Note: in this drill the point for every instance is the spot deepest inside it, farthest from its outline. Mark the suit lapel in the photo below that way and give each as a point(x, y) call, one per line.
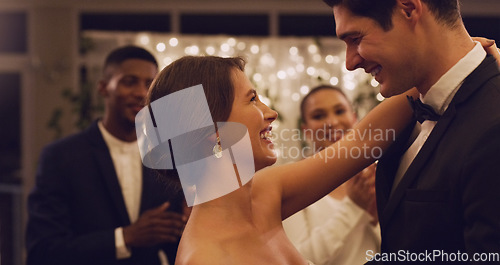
point(475, 80)
point(147, 185)
point(386, 169)
point(418, 163)
point(105, 163)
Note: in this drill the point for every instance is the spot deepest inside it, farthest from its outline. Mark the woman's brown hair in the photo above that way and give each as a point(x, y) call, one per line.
point(215, 74)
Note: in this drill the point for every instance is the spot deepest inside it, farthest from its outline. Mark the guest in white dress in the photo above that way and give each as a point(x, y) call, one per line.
point(341, 227)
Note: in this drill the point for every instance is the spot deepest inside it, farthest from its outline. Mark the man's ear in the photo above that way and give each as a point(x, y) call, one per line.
point(411, 9)
point(101, 88)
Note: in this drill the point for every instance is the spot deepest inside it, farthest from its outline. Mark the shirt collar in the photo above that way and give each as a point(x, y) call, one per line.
point(115, 143)
point(441, 93)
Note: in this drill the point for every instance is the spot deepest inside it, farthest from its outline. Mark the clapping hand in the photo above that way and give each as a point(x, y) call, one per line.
point(155, 226)
point(361, 190)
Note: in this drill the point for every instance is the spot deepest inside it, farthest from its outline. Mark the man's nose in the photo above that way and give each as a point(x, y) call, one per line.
point(353, 59)
point(142, 90)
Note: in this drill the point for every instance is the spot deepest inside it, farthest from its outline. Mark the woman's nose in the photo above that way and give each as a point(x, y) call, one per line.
point(269, 114)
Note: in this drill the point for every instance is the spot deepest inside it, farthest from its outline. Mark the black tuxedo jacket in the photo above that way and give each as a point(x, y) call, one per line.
point(449, 198)
point(77, 203)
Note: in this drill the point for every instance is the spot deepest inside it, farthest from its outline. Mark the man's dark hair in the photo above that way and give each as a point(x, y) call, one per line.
point(445, 11)
point(119, 55)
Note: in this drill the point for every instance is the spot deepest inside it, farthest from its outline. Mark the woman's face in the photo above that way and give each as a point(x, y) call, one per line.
point(247, 109)
point(327, 116)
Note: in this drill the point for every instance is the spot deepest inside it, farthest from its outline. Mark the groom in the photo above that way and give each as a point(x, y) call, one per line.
point(438, 187)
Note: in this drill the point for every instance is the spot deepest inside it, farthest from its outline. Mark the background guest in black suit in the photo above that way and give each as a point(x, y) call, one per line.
point(438, 188)
point(93, 201)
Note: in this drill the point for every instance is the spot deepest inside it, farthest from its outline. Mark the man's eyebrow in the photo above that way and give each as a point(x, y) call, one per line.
point(345, 35)
point(130, 76)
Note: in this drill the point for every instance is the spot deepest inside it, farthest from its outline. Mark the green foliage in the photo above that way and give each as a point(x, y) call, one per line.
point(82, 108)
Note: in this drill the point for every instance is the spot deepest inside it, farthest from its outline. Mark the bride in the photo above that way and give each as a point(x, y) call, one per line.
point(245, 225)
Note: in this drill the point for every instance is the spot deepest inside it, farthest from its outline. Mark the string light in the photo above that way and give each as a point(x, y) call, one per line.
point(267, 60)
point(254, 49)
point(336, 60)
point(334, 81)
point(311, 70)
point(173, 42)
point(281, 74)
point(192, 50)
point(257, 77)
point(144, 39)
point(241, 46)
point(304, 90)
point(316, 65)
point(329, 59)
point(349, 85)
point(161, 47)
point(312, 48)
point(225, 47)
point(231, 42)
point(210, 50)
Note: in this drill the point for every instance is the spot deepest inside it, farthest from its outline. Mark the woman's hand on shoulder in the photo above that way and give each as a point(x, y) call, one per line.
point(490, 47)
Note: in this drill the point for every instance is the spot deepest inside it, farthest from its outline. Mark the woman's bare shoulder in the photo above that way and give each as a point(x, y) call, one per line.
point(206, 255)
point(267, 194)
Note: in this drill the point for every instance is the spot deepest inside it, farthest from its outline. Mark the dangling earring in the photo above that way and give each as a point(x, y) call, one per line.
point(218, 147)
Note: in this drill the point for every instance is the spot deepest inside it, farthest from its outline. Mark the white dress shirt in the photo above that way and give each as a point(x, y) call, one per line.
point(439, 97)
point(127, 162)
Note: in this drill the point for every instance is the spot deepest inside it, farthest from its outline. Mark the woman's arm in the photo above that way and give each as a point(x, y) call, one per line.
point(306, 181)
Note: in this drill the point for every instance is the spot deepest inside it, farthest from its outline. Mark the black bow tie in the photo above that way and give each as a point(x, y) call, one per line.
point(422, 111)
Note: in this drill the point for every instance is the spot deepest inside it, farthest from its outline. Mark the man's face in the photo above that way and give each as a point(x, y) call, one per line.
point(389, 56)
point(126, 88)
